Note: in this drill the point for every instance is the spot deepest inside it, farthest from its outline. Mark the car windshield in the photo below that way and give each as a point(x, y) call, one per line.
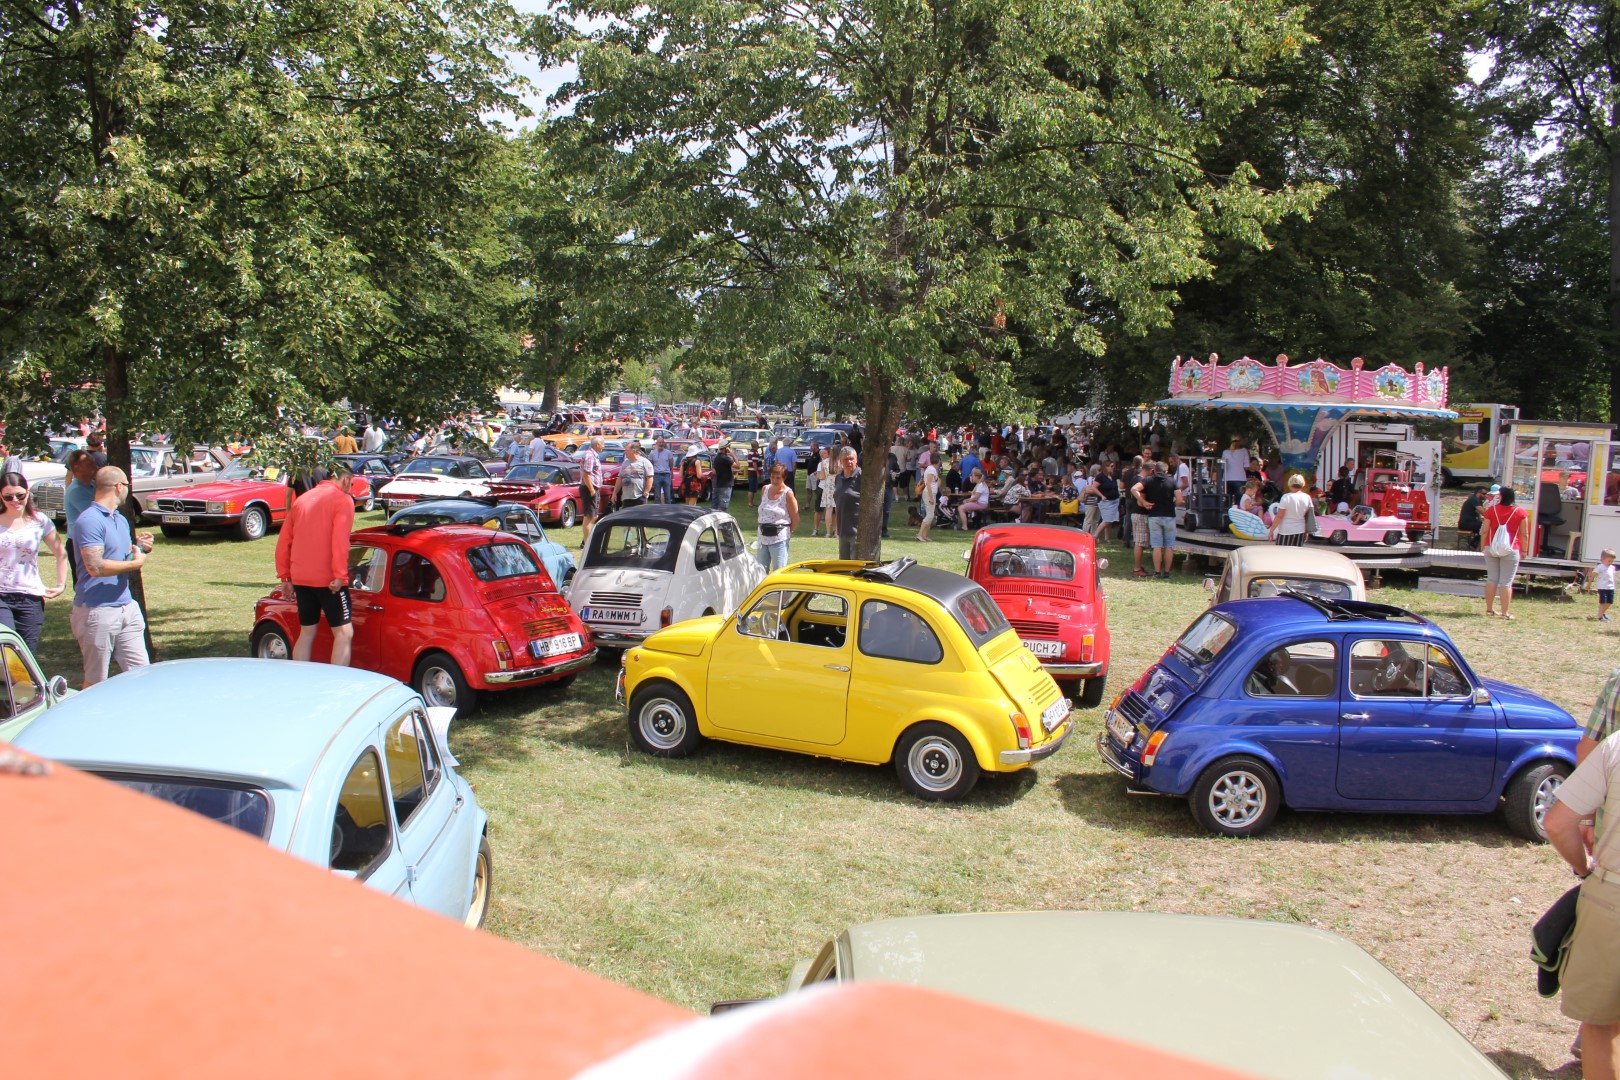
point(1324, 588)
point(472, 514)
point(1205, 638)
point(980, 617)
point(633, 545)
point(426, 466)
point(1050, 564)
point(244, 808)
point(493, 562)
point(579, 429)
point(144, 463)
point(538, 474)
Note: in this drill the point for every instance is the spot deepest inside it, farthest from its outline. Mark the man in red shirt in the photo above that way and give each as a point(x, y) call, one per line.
point(312, 561)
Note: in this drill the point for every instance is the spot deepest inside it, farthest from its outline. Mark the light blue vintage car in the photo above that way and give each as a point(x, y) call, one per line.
point(25, 693)
point(343, 768)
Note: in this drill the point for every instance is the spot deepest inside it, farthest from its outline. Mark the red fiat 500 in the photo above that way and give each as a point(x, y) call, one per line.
point(449, 609)
point(1045, 579)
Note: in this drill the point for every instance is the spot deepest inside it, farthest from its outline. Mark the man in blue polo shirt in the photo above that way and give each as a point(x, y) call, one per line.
point(106, 619)
point(788, 459)
point(663, 463)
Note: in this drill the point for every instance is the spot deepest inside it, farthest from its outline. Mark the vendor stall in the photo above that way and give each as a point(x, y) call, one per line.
point(1564, 475)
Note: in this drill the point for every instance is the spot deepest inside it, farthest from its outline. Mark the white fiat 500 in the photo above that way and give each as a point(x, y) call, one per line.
point(650, 566)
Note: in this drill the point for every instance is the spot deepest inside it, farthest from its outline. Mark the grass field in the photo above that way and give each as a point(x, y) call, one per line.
point(706, 878)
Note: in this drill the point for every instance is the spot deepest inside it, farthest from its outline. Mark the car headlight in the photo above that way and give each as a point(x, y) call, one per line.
point(216, 508)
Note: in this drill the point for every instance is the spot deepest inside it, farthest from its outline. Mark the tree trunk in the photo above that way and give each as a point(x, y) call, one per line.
point(115, 379)
point(1614, 272)
point(885, 408)
point(548, 399)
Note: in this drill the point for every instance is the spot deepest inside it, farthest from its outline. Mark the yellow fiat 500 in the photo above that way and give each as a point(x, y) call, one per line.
point(855, 661)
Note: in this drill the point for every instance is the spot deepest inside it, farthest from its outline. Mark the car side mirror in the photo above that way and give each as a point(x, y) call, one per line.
point(966, 555)
point(58, 687)
point(1209, 585)
point(1482, 696)
point(1102, 564)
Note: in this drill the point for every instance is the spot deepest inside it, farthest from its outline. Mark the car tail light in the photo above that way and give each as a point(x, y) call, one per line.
point(1151, 750)
point(1021, 725)
point(666, 616)
point(1088, 642)
point(503, 653)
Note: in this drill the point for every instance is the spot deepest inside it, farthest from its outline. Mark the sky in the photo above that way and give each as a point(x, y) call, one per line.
point(545, 80)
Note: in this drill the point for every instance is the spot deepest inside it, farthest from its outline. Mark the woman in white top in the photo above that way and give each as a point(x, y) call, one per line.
point(778, 517)
point(824, 485)
point(812, 484)
point(978, 502)
point(928, 490)
point(1235, 467)
point(1288, 527)
point(22, 529)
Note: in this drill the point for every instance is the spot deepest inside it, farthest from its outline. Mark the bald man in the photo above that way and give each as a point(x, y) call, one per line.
point(106, 619)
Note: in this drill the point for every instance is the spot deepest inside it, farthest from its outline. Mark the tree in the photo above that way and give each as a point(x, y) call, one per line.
point(222, 216)
point(905, 178)
point(1371, 109)
point(1556, 80)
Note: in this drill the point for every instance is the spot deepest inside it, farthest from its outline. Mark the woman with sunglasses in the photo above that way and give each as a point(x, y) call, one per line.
point(22, 529)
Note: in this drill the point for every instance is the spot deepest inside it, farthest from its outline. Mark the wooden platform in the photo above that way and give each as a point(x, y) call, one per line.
point(1408, 556)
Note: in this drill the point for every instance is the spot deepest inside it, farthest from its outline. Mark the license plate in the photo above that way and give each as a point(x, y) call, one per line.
point(554, 646)
point(177, 519)
point(1055, 714)
point(1123, 731)
point(1045, 648)
point(616, 616)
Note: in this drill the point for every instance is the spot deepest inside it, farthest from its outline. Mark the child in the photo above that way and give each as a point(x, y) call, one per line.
point(1602, 577)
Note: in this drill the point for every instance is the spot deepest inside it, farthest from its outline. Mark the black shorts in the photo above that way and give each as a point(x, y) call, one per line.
point(1605, 596)
point(587, 503)
point(317, 600)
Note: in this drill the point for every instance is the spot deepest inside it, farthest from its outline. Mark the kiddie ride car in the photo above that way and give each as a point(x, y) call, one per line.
point(1333, 705)
point(1391, 492)
point(1045, 580)
point(1362, 525)
point(874, 664)
point(451, 610)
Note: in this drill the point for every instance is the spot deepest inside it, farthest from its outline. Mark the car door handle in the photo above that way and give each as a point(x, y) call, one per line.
point(1355, 716)
point(369, 607)
point(836, 667)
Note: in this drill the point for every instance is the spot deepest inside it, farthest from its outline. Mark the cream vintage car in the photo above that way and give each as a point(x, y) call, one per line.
point(152, 469)
point(1266, 569)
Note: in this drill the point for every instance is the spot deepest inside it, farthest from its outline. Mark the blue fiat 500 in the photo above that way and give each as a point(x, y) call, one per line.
point(1333, 705)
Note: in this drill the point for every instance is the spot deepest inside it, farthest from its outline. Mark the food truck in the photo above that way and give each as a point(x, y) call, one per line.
point(1475, 448)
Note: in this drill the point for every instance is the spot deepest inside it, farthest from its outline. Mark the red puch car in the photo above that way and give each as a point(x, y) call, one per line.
point(1046, 580)
point(449, 609)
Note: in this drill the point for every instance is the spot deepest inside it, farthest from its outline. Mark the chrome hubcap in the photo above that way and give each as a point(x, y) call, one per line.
point(1545, 793)
point(935, 763)
point(273, 647)
point(663, 724)
point(1237, 799)
point(438, 687)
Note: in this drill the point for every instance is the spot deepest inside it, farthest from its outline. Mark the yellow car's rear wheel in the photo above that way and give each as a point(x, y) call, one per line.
point(935, 762)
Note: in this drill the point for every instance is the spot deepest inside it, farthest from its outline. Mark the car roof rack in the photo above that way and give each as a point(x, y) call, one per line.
point(1339, 610)
point(889, 571)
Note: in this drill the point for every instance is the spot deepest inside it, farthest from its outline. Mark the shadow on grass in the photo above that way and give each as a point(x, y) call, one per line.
point(1523, 1067)
point(1101, 800)
point(584, 717)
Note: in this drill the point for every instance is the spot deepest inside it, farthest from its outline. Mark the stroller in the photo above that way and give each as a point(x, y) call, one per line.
point(944, 512)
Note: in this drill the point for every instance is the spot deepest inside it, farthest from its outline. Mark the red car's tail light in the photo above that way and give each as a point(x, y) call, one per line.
point(1151, 750)
point(665, 616)
point(503, 653)
point(1088, 643)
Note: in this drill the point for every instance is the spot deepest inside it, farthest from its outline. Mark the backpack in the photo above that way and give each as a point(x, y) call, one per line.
point(1501, 545)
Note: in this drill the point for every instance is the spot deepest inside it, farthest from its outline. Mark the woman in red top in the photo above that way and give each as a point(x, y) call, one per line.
point(1500, 570)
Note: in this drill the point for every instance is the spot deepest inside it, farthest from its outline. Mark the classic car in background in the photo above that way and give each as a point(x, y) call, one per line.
point(1261, 570)
point(152, 469)
point(1047, 581)
point(434, 478)
point(239, 499)
point(358, 777)
point(488, 513)
point(555, 494)
point(470, 446)
point(451, 610)
point(28, 692)
point(649, 567)
point(376, 470)
point(896, 663)
point(1333, 705)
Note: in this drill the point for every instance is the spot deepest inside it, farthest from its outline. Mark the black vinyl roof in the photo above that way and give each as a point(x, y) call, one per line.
point(660, 514)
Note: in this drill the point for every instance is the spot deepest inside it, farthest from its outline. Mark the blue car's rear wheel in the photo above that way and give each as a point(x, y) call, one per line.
point(1238, 796)
point(483, 884)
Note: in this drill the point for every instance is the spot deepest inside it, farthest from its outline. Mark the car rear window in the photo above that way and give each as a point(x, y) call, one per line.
point(494, 562)
point(1322, 587)
point(1048, 564)
point(980, 617)
point(244, 808)
point(429, 467)
point(1205, 638)
point(633, 546)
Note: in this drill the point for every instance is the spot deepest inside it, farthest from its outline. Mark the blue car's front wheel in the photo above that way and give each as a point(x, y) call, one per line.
point(1237, 796)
